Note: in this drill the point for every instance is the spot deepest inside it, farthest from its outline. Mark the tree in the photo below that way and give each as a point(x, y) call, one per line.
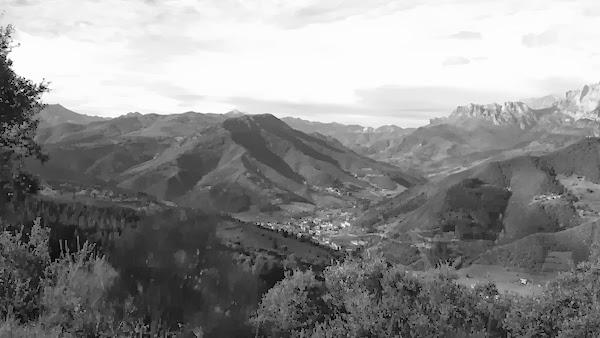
point(568, 307)
point(292, 305)
point(20, 101)
point(371, 298)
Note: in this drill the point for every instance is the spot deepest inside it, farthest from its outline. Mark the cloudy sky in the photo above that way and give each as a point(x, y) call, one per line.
point(355, 61)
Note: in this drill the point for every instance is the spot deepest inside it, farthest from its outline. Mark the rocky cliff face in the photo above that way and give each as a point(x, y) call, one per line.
point(508, 113)
point(577, 106)
point(582, 103)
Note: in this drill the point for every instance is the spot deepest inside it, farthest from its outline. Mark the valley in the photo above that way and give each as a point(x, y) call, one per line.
point(292, 169)
point(501, 194)
point(498, 175)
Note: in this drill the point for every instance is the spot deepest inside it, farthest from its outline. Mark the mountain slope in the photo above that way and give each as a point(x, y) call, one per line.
point(474, 133)
point(364, 140)
point(494, 203)
point(55, 114)
point(218, 163)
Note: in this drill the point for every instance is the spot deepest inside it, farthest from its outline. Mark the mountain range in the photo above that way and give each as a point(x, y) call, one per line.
point(228, 163)
point(475, 133)
point(55, 114)
point(515, 184)
point(500, 206)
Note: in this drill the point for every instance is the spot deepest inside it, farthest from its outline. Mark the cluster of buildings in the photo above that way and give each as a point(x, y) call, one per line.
point(319, 230)
point(546, 197)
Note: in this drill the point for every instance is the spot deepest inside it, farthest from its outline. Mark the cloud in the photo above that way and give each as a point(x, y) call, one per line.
point(158, 47)
point(326, 112)
point(456, 61)
point(591, 11)
point(183, 96)
point(545, 38)
point(438, 99)
point(305, 56)
point(331, 10)
point(301, 13)
point(558, 84)
point(21, 3)
point(466, 35)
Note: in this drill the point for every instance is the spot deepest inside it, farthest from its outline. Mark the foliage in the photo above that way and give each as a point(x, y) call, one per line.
point(173, 271)
point(372, 299)
point(568, 307)
point(66, 297)
point(75, 296)
point(22, 269)
point(293, 305)
point(164, 273)
point(19, 103)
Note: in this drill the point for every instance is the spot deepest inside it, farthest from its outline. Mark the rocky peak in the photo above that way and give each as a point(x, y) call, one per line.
point(508, 113)
point(577, 106)
point(582, 103)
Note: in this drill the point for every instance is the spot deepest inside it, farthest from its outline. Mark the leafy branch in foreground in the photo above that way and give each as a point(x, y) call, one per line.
point(20, 101)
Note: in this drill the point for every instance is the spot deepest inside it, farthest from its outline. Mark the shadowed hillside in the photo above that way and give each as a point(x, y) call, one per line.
point(494, 204)
point(214, 162)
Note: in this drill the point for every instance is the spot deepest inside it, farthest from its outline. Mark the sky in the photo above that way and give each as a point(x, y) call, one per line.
point(369, 62)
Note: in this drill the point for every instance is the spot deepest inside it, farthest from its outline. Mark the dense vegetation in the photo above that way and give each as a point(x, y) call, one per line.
point(370, 298)
point(19, 104)
point(170, 276)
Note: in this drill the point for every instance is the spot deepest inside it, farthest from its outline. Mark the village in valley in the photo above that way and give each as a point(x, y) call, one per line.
point(326, 228)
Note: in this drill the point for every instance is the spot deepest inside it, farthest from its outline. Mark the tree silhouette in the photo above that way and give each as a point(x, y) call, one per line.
point(19, 104)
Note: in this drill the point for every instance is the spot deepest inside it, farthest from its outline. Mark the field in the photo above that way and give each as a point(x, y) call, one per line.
point(507, 280)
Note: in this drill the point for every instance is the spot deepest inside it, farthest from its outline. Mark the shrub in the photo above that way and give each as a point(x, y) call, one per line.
point(370, 298)
point(568, 307)
point(41, 297)
point(292, 305)
point(22, 268)
point(75, 295)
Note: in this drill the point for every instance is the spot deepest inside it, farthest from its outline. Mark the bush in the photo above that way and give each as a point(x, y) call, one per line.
point(23, 261)
point(75, 295)
point(372, 299)
point(568, 307)
point(41, 297)
point(292, 305)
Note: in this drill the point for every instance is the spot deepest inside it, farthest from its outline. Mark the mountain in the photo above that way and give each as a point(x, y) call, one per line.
point(230, 162)
point(55, 114)
point(542, 102)
point(507, 114)
point(476, 133)
point(496, 206)
point(364, 140)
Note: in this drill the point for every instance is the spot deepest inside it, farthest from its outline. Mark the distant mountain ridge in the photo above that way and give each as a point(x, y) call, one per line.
point(476, 133)
point(508, 113)
point(471, 134)
point(368, 141)
point(580, 104)
point(55, 114)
